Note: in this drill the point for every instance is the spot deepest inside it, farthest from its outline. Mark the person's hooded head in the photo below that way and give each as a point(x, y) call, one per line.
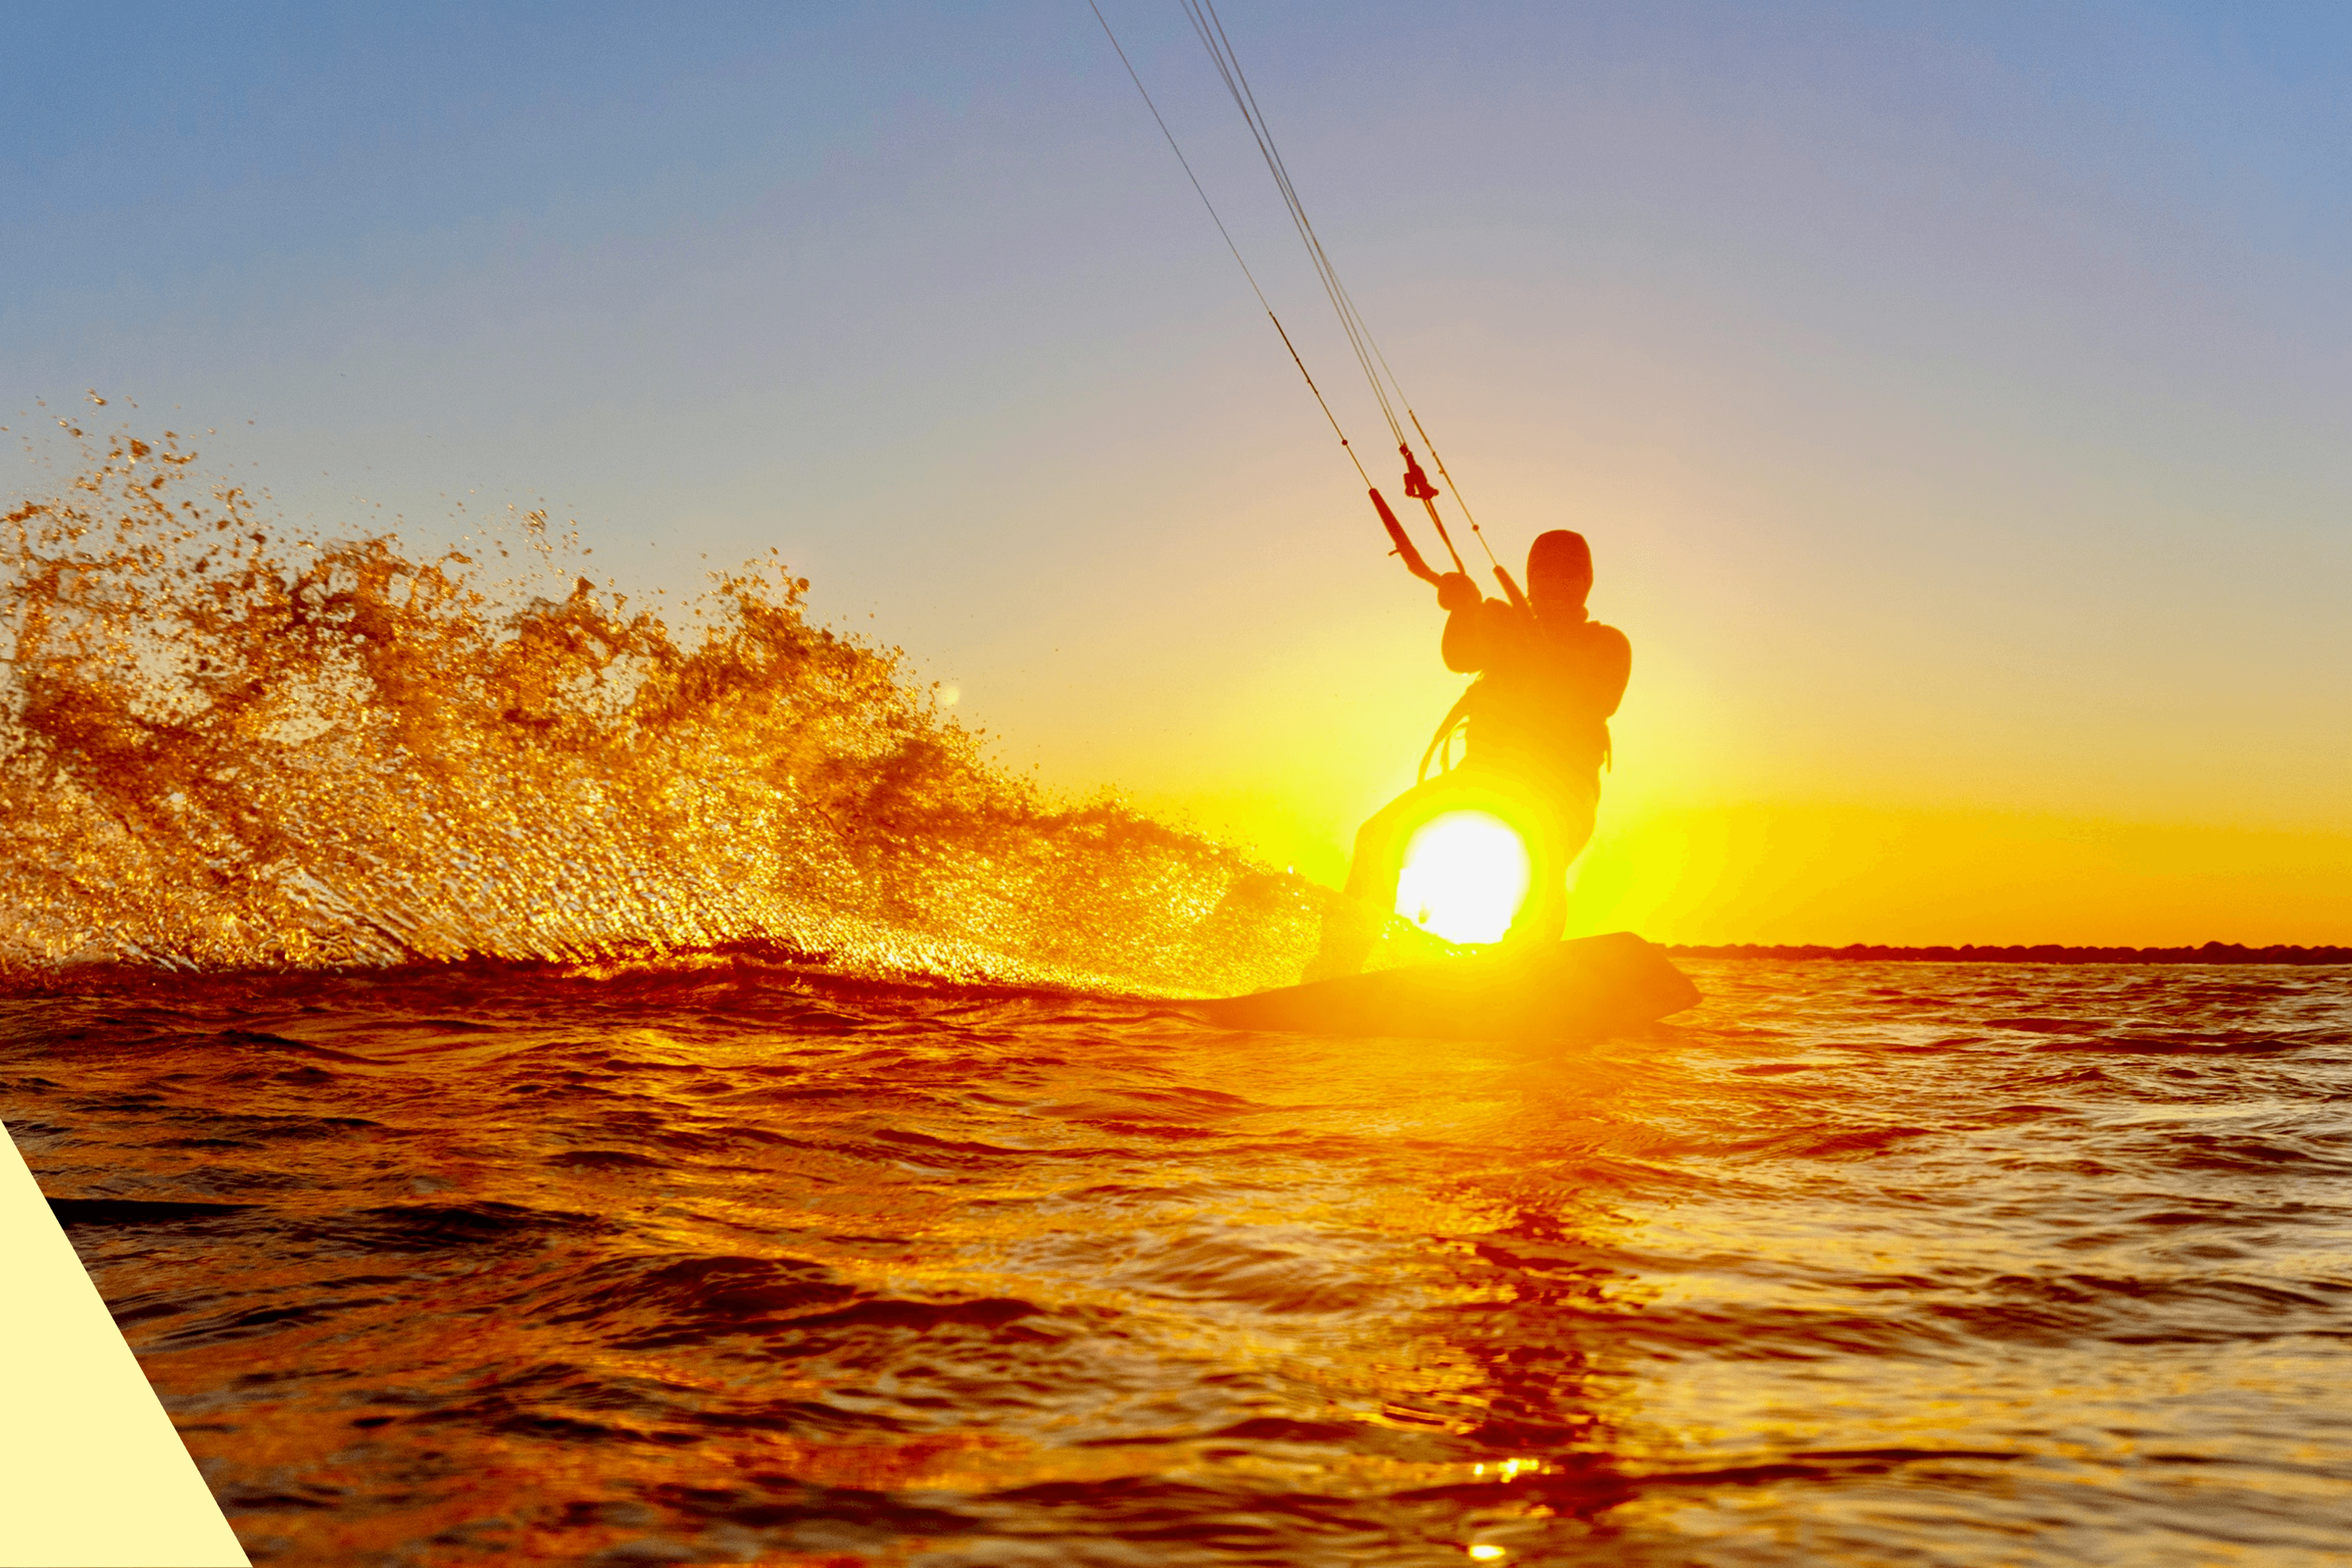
point(1560, 575)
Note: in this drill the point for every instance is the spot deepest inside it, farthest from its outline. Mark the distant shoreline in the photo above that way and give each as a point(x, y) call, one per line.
point(2046, 953)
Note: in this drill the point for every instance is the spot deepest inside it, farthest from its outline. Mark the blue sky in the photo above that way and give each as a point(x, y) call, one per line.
point(1955, 393)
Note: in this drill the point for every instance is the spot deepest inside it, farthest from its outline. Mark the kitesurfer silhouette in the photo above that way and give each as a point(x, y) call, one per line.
point(1550, 677)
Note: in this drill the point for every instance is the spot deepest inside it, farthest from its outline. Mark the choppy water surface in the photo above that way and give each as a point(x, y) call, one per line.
point(1858, 1263)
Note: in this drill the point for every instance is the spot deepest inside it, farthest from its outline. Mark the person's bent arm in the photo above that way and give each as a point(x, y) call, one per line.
point(1613, 662)
point(1474, 627)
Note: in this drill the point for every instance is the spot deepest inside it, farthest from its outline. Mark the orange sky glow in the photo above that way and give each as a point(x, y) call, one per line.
point(1954, 400)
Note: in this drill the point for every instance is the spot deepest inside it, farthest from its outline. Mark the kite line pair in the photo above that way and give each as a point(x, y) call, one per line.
point(1210, 31)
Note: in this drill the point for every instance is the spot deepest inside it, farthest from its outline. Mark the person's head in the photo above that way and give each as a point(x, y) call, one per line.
point(1560, 573)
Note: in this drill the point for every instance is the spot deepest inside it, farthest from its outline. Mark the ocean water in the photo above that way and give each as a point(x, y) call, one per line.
point(543, 1078)
point(726, 1262)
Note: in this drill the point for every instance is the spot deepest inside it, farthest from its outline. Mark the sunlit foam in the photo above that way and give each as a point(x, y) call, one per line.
point(1466, 875)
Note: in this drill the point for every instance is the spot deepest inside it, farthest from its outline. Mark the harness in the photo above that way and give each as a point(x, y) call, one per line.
point(1441, 742)
point(1456, 717)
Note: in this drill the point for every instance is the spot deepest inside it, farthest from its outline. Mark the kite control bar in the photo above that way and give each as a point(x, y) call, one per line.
point(1404, 550)
point(1420, 569)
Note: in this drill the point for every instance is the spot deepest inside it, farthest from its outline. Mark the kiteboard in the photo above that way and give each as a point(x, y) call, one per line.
point(1595, 984)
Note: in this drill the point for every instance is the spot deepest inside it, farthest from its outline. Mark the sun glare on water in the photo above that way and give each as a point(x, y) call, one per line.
point(1464, 875)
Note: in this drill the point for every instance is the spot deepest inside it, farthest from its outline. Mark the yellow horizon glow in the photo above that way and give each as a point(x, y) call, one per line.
point(1795, 762)
point(1834, 872)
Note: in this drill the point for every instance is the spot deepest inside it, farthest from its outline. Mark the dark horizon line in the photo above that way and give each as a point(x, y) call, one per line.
point(2040, 953)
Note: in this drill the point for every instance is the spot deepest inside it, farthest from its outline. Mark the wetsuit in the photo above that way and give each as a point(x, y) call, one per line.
point(1537, 733)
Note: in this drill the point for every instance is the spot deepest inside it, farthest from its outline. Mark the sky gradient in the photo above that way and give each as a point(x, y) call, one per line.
point(1955, 396)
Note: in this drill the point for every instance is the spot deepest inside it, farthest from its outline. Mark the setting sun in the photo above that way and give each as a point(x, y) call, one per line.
point(1464, 876)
